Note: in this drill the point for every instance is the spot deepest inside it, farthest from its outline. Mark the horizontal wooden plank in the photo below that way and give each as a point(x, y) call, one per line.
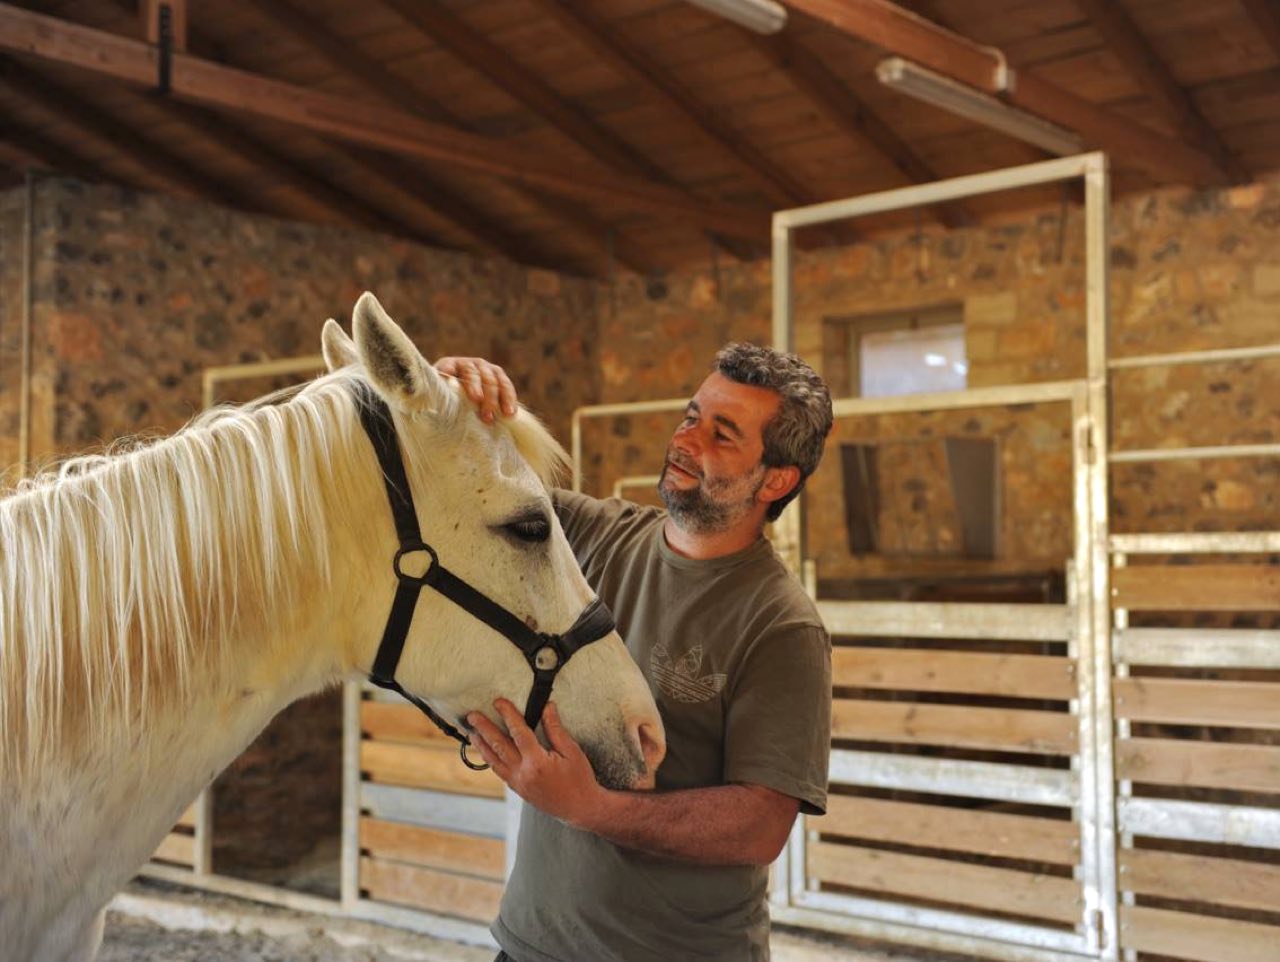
point(948, 776)
point(1197, 878)
point(177, 848)
point(1200, 821)
point(1196, 937)
point(434, 891)
point(956, 883)
point(1203, 764)
point(925, 619)
point(446, 811)
point(962, 672)
point(953, 829)
point(1197, 542)
point(402, 722)
point(999, 729)
point(1207, 587)
point(188, 818)
point(433, 848)
point(392, 763)
point(1232, 704)
point(1197, 647)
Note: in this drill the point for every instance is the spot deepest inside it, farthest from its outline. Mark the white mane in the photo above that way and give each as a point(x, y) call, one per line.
point(127, 574)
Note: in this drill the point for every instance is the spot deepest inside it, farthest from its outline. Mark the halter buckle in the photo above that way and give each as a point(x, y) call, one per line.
point(427, 576)
point(546, 658)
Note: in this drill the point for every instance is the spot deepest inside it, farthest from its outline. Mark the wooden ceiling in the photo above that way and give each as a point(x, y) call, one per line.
point(600, 135)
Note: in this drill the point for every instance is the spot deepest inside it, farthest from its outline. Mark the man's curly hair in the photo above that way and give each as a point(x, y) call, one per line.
point(796, 434)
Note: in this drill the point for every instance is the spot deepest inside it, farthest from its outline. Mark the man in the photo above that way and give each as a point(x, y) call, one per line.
point(738, 662)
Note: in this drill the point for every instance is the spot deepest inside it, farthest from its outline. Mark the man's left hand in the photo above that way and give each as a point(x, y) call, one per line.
point(558, 780)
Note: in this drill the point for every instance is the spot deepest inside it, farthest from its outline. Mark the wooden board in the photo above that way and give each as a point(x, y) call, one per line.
point(931, 619)
point(958, 883)
point(425, 888)
point(1203, 764)
point(176, 847)
point(448, 851)
point(1185, 702)
point(953, 829)
point(396, 764)
point(1217, 587)
point(446, 811)
point(1196, 878)
point(188, 818)
point(962, 726)
point(1196, 937)
point(978, 673)
point(383, 721)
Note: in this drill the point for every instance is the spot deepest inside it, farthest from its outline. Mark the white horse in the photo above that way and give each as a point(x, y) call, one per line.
point(158, 607)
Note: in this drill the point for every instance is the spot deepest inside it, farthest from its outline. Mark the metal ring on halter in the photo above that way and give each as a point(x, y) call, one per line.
point(462, 753)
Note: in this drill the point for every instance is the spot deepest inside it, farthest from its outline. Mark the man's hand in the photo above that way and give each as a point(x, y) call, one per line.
point(486, 384)
point(559, 780)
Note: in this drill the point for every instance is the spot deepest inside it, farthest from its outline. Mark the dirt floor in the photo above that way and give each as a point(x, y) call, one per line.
point(154, 922)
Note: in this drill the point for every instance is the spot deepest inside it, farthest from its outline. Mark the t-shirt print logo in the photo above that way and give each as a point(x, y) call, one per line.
point(680, 677)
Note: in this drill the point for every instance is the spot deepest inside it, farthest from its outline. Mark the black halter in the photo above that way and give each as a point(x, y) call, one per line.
point(545, 653)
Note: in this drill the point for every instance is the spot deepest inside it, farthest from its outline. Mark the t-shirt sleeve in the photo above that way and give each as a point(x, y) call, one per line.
point(778, 725)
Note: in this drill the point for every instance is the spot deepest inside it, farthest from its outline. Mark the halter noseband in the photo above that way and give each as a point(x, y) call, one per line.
point(545, 653)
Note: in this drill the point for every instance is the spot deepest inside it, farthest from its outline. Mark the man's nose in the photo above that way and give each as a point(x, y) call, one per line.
point(685, 440)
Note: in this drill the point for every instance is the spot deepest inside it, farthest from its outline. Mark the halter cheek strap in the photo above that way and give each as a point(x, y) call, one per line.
point(545, 653)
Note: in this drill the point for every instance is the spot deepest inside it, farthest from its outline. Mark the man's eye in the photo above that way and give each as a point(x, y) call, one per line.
point(533, 530)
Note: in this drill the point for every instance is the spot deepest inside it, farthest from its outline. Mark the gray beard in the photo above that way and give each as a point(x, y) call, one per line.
point(698, 511)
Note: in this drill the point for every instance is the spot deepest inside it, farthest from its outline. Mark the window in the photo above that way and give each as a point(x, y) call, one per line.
point(906, 352)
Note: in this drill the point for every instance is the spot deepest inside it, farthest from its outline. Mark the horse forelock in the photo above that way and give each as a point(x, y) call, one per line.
point(123, 575)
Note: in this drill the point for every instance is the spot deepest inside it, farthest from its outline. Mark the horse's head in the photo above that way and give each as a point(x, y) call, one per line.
point(482, 501)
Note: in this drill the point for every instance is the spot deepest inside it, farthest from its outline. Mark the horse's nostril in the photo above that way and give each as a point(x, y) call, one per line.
point(652, 745)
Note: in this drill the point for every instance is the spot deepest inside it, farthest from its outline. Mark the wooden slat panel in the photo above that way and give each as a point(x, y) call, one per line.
point(1198, 647)
point(432, 848)
point(1203, 764)
point(954, 829)
point(188, 818)
point(401, 722)
point(177, 848)
point(1196, 587)
point(1200, 821)
point(959, 725)
point(425, 888)
point(1020, 676)
point(1195, 878)
point(954, 776)
point(397, 764)
point(443, 810)
point(925, 619)
point(1185, 702)
point(977, 886)
point(1197, 937)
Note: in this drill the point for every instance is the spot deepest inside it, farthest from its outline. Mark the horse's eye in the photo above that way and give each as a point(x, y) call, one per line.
point(532, 530)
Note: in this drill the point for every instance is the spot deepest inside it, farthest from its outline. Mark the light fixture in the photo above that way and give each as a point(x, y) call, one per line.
point(933, 88)
point(762, 16)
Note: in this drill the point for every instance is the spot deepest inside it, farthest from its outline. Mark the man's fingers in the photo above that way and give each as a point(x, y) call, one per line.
point(523, 736)
point(560, 739)
point(507, 390)
point(487, 735)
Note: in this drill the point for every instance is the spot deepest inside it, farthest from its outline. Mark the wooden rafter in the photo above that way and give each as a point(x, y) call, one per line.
point(632, 62)
point(910, 36)
point(151, 155)
point(1140, 61)
point(347, 118)
point(1266, 17)
point(850, 114)
point(409, 96)
point(528, 88)
point(39, 150)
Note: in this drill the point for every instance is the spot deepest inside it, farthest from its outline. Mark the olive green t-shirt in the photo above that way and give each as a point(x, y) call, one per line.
point(740, 666)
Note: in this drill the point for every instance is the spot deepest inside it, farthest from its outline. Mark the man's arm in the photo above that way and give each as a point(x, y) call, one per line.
point(721, 825)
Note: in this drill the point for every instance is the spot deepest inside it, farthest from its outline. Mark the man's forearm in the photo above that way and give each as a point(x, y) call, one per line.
point(723, 825)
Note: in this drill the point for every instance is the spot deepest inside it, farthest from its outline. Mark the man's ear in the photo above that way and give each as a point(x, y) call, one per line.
point(778, 483)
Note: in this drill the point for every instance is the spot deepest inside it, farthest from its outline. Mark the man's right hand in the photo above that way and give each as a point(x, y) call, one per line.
point(486, 384)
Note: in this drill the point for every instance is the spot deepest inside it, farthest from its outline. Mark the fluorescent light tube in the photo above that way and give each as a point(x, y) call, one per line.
point(933, 88)
point(762, 16)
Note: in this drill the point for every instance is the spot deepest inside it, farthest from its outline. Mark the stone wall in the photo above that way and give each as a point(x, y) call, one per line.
point(1190, 271)
point(135, 295)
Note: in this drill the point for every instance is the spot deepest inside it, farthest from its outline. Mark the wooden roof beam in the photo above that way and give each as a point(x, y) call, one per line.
point(851, 115)
point(30, 148)
point(1266, 17)
point(528, 88)
point(902, 32)
point(1141, 62)
point(347, 118)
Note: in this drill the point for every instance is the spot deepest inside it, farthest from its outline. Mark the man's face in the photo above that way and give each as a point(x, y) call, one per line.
point(713, 469)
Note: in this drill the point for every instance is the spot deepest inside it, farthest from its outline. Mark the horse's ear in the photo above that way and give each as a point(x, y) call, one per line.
point(393, 364)
point(338, 349)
